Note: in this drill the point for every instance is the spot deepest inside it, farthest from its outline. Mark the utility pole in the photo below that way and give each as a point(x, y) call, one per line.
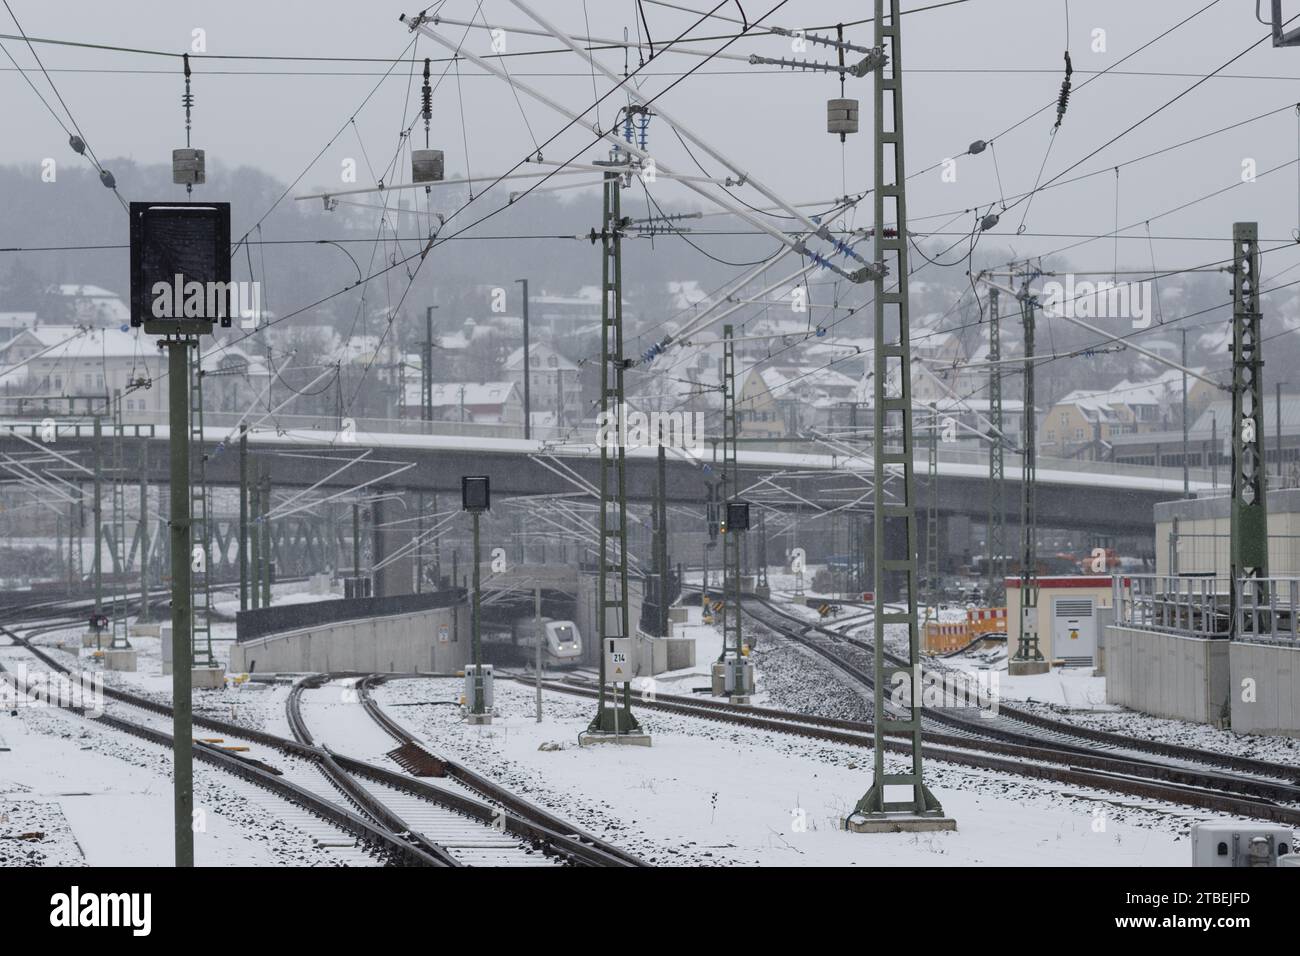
point(426, 368)
point(437, 550)
point(661, 535)
point(996, 529)
point(477, 707)
point(559, 403)
point(255, 538)
point(537, 643)
point(893, 348)
point(99, 517)
point(201, 530)
point(1214, 452)
point(265, 523)
point(761, 588)
point(419, 543)
point(731, 637)
point(1277, 422)
point(356, 546)
point(178, 378)
point(1248, 550)
point(611, 586)
point(1028, 659)
point(1187, 484)
point(932, 519)
point(144, 529)
point(243, 519)
point(528, 368)
point(121, 637)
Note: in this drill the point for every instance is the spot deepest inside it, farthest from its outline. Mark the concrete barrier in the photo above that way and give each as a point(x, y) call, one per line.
point(1168, 675)
point(1265, 688)
point(431, 640)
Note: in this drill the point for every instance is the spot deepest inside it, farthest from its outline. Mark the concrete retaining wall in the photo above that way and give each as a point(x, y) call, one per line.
point(398, 643)
point(654, 655)
point(1167, 675)
point(1274, 671)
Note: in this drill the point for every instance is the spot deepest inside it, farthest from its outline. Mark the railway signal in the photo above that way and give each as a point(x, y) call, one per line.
point(476, 498)
point(180, 290)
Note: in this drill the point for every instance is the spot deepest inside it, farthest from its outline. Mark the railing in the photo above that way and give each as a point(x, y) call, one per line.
point(1268, 609)
point(1198, 606)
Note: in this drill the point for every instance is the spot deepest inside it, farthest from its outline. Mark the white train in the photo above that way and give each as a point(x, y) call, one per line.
point(563, 642)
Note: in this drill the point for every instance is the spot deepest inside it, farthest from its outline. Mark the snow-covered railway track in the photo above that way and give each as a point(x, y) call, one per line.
point(1203, 789)
point(326, 821)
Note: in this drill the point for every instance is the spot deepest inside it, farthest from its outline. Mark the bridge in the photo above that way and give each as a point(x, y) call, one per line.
point(314, 466)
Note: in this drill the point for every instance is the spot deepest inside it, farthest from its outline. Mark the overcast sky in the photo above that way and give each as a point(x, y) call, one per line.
point(973, 69)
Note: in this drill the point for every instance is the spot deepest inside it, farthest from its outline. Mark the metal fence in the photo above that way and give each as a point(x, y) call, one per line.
point(1193, 605)
point(1267, 609)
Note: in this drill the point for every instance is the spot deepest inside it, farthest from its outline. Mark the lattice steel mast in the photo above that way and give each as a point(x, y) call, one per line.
point(1028, 655)
point(611, 583)
point(1249, 522)
point(893, 354)
point(996, 530)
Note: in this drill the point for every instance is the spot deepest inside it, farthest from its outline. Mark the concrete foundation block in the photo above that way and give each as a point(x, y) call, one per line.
point(207, 678)
point(478, 719)
point(1027, 668)
point(144, 630)
point(590, 738)
point(122, 659)
point(897, 823)
point(93, 638)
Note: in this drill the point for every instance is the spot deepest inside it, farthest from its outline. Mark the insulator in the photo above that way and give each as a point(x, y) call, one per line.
point(107, 179)
point(842, 116)
point(988, 222)
point(977, 147)
point(426, 98)
point(77, 143)
point(1063, 101)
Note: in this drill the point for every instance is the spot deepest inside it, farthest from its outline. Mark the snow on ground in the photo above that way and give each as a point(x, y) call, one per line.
point(102, 798)
point(709, 793)
point(705, 793)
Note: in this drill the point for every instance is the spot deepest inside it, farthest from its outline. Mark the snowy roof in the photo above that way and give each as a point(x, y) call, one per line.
point(542, 351)
point(475, 393)
point(74, 342)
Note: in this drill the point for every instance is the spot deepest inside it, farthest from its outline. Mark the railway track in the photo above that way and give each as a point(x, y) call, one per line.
point(459, 829)
point(529, 820)
point(1148, 781)
point(1014, 724)
point(398, 812)
point(331, 825)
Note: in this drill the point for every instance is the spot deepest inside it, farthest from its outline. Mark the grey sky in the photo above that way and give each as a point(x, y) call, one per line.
point(773, 123)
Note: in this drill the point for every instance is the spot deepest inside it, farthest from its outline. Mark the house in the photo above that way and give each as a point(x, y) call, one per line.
point(493, 403)
point(759, 410)
point(553, 379)
point(94, 305)
point(1087, 423)
point(65, 362)
point(11, 323)
point(233, 377)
